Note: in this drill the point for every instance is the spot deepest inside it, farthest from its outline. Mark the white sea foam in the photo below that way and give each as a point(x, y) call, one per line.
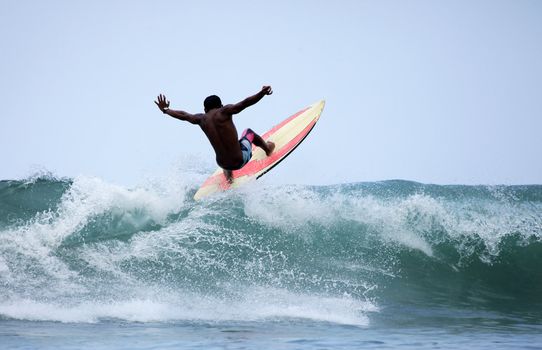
point(87, 198)
point(294, 208)
point(254, 304)
point(28, 251)
point(418, 221)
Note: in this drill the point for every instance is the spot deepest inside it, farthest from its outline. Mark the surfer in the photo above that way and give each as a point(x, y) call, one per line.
point(217, 124)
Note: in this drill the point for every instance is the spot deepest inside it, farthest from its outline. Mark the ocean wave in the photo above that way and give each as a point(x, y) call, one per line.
point(83, 249)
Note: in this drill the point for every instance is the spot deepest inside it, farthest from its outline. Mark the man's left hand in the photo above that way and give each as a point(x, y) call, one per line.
point(267, 90)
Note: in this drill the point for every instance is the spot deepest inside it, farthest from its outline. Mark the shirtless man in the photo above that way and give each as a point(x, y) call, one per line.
point(217, 124)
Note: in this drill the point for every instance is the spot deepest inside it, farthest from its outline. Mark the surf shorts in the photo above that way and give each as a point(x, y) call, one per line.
point(246, 146)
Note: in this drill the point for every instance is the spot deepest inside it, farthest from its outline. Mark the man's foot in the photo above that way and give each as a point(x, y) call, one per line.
point(270, 148)
point(229, 176)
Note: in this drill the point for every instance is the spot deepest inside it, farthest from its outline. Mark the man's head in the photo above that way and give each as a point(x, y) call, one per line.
point(212, 102)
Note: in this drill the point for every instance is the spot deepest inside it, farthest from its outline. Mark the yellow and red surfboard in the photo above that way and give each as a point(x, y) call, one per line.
point(286, 136)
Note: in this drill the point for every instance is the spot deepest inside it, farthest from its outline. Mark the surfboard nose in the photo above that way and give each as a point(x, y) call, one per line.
point(320, 103)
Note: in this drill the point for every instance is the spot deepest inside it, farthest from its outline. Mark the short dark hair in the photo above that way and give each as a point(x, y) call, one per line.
point(212, 102)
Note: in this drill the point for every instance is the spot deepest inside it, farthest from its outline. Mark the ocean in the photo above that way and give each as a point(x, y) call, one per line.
point(85, 263)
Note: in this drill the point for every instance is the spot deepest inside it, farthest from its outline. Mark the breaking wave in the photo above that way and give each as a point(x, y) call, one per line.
point(84, 250)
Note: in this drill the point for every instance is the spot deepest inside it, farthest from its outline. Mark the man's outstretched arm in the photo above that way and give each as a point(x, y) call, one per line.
point(163, 104)
point(249, 101)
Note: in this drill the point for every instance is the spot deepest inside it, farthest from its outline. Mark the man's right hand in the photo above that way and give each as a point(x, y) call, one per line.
point(162, 103)
point(267, 90)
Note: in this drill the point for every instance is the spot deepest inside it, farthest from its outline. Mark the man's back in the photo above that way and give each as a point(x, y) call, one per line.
point(217, 124)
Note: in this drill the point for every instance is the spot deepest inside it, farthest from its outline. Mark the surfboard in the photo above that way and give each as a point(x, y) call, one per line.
point(287, 136)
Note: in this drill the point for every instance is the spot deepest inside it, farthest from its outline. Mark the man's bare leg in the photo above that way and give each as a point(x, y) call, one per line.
point(229, 175)
point(268, 146)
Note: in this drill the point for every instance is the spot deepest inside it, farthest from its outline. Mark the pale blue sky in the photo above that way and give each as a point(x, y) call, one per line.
point(431, 91)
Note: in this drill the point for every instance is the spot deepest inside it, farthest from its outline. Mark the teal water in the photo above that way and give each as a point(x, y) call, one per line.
point(393, 264)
